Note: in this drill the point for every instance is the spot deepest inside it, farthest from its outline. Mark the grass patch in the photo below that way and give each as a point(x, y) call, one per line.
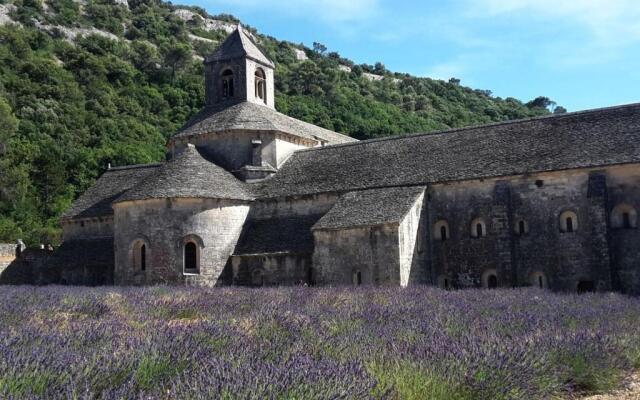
point(407, 381)
point(31, 383)
point(586, 376)
point(153, 371)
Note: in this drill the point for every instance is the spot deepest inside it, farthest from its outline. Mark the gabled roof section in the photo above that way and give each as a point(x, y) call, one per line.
point(239, 44)
point(189, 175)
point(586, 139)
point(370, 208)
point(281, 234)
point(96, 201)
point(256, 117)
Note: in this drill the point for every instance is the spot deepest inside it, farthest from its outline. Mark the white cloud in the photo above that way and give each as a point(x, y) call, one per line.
point(609, 22)
point(447, 70)
point(334, 11)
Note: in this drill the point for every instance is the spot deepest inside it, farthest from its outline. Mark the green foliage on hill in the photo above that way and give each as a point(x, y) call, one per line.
point(71, 105)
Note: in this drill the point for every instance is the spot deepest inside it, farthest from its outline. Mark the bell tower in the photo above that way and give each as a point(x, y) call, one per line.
point(238, 71)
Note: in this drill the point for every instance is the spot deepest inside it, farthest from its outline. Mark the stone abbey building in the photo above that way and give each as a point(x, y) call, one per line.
point(250, 196)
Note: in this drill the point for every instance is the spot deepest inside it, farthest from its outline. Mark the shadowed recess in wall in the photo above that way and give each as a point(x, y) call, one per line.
point(290, 234)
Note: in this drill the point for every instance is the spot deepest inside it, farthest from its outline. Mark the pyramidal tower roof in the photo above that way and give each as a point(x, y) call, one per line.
point(239, 44)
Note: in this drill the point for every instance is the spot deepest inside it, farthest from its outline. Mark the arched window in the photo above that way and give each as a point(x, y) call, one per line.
point(191, 258)
point(143, 257)
point(261, 85)
point(490, 279)
point(538, 279)
point(521, 227)
point(441, 230)
point(478, 228)
point(257, 277)
point(624, 216)
point(140, 255)
point(227, 83)
point(357, 278)
point(568, 222)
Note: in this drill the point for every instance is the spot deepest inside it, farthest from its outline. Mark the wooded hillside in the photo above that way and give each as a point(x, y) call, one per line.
point(84, 84)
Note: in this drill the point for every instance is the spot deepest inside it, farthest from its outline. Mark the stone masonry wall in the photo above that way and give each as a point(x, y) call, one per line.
point(624, 188)
point(251, 67)
point(234, 150)
point(272, 269)
point(80, 229)
point(165, 226)
point(411, 247)
point(7, 255)
point(373, 251)
point(593, 254)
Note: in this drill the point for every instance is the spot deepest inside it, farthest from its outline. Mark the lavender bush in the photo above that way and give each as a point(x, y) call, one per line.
point(301, 343)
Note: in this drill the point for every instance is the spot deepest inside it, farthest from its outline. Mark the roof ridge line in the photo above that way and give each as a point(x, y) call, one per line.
point(134, 166)
point(403, 136)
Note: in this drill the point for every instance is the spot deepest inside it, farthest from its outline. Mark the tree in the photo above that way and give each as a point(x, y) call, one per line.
point(176, 56)
point(559, 110)
point(541, 102)
point(74, 107)
point(319, 48)
point(8, 124)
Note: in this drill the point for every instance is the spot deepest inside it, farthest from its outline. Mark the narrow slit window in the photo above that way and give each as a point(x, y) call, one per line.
point(143, 257)
point(443, 233)
point(479, 231)
point(357, 278)
point(521, 228)
point(569, 224)
point(626, 220)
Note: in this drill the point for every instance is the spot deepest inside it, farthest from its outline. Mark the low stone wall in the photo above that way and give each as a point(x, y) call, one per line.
point(7, 255)
point(271, 270)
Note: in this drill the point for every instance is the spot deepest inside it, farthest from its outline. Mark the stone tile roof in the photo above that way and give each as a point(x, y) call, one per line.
point(189, 175)
point(239, 44)
point(251, 116)
point(284, 234)
point(575, 140)
point(370, 207)
point(96, 201)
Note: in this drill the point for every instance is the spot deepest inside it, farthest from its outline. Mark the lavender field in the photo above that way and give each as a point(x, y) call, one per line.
point(301, 343)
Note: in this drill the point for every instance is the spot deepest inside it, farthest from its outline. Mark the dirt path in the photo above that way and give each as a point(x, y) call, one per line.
point(630, 390)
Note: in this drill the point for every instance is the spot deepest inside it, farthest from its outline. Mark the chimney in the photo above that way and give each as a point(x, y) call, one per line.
point(256, 152)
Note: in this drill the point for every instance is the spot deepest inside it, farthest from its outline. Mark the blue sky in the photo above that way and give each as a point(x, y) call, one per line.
point(581, 53)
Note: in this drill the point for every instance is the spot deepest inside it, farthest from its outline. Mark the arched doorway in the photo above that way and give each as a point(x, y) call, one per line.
point(586, 287)
point(490, 279)
point(257, 278)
